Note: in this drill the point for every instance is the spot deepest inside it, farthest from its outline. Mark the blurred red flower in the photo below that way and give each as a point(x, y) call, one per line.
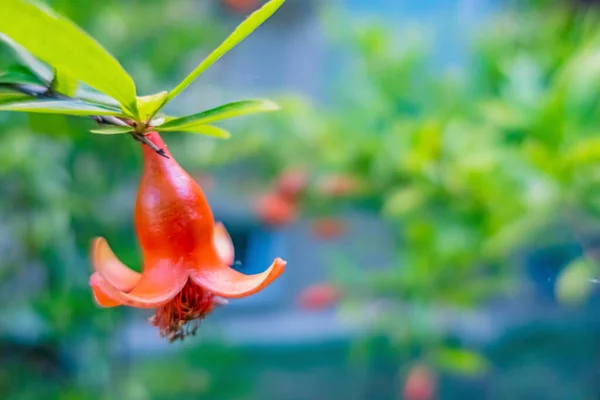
point(319, 296)
point(328, 228)
point(419, 384)
point(187, 256)
point(241, 6)
point(291, 183)
point(338, 185)
point(276, 210)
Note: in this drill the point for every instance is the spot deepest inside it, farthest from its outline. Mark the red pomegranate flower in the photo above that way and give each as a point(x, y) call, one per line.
point(187, 256)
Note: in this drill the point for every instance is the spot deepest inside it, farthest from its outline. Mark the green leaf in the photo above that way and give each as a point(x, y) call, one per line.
point(239, 34)
point(149, 105)
point(19, 74)
point(112, 130)
point(38, 68)
point(461, 361)
point(573, 285)
point(8, 96)
point(225, 111)
point(64, 83)
point(65, 107)
point(67, 48)
point(202, 129)
point(92, 96)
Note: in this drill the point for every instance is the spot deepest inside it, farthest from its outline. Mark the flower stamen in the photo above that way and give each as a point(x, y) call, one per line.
point(181, 316)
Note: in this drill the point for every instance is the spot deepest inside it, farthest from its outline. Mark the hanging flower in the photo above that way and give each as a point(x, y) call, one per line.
point(187, 257)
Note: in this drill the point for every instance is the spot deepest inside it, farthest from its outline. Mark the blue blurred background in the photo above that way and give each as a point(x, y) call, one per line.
point(445, 245)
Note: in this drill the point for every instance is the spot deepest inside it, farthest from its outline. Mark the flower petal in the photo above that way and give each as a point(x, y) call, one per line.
point(223, 244)
point(227, 282)
point(159, 284)
point(101, 298)
point(108, 265)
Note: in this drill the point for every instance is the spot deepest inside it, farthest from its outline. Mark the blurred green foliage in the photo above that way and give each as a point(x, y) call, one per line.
point(468, 167)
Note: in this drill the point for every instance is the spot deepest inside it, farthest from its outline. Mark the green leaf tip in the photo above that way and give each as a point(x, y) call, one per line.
point(240, 33)
point(149, 105)
point(226, 111)
point(202, 129)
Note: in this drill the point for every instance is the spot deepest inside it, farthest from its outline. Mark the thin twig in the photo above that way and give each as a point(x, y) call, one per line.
point(143, 139)
point(38, 91)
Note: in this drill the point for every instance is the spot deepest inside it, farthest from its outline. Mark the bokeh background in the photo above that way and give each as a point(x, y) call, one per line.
point(445, 245)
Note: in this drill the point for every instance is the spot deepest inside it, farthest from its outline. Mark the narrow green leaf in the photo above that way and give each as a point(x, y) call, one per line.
point(19, 74)
point(65, 107)
point(168, 118)
point(202, 129)
point(11, 97)
point(64, 83)
point(149, 105)
point(225, 111)
point(67, 48)
point(112, 130)
point(239, 34)
point(38, 68)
